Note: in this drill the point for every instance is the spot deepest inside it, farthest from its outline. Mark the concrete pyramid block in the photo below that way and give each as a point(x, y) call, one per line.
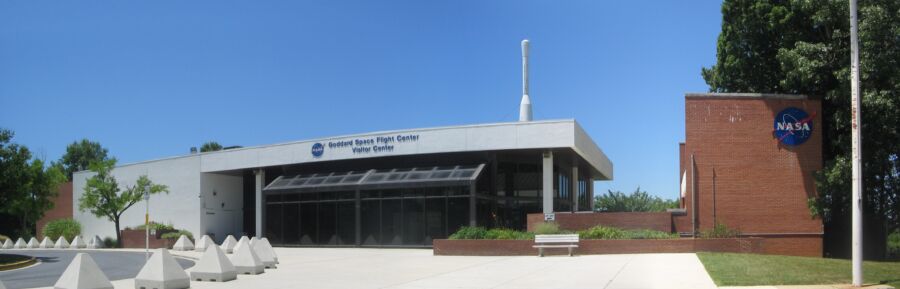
point(246, 261)
point(203, 243)
point(244, 241)
point(1, 283)
point(253, 240)
point(213, 266)
point(77, 243)
point(264, 254)
point(269, 246)
point(183, 244)
point(20, 244)
point(83, 273)
point(161, 272)
point(33, 243)
point(95, 243)
point(46, 243)
point(8, 244)
point(61, 243)
point(228, 245)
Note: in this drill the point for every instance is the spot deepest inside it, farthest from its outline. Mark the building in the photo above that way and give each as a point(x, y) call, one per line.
point(748, 162)
point(393, 188)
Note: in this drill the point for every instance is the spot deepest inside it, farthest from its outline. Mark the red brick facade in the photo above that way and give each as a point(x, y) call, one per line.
point(138, 239)
point(744, 177)
point(62, 208)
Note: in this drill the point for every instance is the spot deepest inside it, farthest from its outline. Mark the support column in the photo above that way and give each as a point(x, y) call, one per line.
point(473, 216)
point(260, 207)
point(589, 186)
point(547, 171)
point(576, 189)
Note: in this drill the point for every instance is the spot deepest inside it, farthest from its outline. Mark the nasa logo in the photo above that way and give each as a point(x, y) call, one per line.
point(318, 149)
point(793, 126)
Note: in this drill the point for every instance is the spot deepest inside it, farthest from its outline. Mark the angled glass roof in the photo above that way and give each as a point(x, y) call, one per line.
point(396, 178)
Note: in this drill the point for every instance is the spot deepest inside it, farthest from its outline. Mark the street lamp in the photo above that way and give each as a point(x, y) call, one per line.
point(147, 223)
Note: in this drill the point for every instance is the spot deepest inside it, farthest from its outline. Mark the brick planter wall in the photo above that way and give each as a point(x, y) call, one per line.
point(659, 221)
point(62, 208)
point(523, 247)
point(136, 239)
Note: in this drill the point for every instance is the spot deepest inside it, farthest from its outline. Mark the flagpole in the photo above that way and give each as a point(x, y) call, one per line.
point(856, 123)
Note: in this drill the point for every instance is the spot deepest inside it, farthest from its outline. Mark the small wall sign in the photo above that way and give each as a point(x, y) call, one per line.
point(550, 217)
point(793, 126)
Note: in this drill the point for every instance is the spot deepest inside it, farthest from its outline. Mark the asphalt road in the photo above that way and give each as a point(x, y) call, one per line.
point(116, 266)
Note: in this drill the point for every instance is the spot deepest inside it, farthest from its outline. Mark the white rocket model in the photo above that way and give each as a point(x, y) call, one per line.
point(525, 106)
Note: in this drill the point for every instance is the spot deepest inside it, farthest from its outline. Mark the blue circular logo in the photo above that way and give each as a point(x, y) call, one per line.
point(793, 126)
point(318, 149)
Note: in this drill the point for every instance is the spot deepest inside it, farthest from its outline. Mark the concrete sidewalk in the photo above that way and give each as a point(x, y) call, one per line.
point(417, 268)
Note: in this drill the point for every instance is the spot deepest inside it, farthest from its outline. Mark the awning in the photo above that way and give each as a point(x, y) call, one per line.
point(377, 179)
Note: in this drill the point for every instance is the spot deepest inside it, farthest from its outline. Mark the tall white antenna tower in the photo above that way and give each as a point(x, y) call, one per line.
point(525, 106)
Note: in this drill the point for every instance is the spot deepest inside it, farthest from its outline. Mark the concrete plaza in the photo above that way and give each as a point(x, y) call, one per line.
point(418, 268)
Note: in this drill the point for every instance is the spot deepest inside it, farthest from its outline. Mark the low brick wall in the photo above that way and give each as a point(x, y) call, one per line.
point(659, 221)
point(523, 247)
point(137, 238)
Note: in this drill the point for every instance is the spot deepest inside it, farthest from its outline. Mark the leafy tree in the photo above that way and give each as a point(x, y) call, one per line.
point(637, 201)
point(80, 155)
point(102, 198)
point(210, 146)
point(26, 187)
point(803, 47)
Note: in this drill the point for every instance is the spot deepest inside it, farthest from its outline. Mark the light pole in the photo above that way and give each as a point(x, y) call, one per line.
point(147, 224)
point(856, 140)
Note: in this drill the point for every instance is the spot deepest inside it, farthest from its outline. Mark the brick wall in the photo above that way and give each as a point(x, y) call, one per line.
point(661, 221)
point(747, 179)
point(62, 208)
point(138, 238)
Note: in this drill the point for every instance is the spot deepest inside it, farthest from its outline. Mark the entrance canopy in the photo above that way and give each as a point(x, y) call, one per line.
point(378, 179)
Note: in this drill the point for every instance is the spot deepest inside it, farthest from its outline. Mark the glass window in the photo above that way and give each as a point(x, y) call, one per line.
point(435, 219)
point(390, 193)
point(369, 194)
point(391, 222)
point(370, 218)
point(327, 223)
point(291, 223)
point(346, 223)
point(309, 197)
point(457, 214)
point(273, 223)
point(309, 213)
point(414, 221)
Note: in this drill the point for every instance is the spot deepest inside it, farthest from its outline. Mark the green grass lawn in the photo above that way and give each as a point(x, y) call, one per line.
point(730, 269)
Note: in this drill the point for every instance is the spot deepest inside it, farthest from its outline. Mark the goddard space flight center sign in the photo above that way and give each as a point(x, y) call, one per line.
point(367, 145)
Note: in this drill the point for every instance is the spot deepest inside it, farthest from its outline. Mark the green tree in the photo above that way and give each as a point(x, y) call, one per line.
point(637, 201)
point(803, 47)
point(26, 185)
point(79, 156)
point(210, 146)
point(102, 198)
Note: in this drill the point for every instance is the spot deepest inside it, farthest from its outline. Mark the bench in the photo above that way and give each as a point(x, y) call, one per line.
point(569, 241)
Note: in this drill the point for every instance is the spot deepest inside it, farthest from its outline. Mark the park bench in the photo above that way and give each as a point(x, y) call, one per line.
point(569, 241)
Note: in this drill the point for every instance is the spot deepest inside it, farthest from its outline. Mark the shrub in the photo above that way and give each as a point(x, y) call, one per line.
point(177, 234)
point(546, 228)
point(719, 231)
point(601, 232)
point(109, 242)
point(508, 234)
point(893, 243)
point(469, 233)
point(156, 226)
point(68, 228)
point(649, 234)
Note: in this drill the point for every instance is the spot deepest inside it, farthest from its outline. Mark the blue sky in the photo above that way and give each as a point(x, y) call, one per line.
point(150, 79)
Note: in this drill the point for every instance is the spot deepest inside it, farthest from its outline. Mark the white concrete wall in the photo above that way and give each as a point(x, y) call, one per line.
point(181, 206)
point(223, 203)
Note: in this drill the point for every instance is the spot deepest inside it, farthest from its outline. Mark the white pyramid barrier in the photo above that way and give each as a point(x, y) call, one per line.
point(61, 243)
point(1, 283)
point(269, 246)
point(77, 243)
point(33, 243)
point(95, 243)
point(203, 243)
point(244, 241)
point(162, 272)
point(46, 243)
point(213, 266)
point(83, 273)
point(264, 254)
point(246, 261)
point(253, 241)
point(183, 244)
point(20, 244)
point(8, 244)
point(228, 245)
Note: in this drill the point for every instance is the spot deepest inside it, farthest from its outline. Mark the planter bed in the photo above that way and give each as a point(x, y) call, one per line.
point(585, 247)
